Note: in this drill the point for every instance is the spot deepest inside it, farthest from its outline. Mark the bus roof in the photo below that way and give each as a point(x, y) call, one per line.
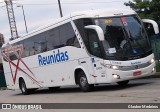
point(77, 15)
point(102, 13)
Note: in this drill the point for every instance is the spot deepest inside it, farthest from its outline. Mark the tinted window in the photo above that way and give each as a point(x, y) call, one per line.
point(94, 46)
point(67, 35)
point(40, 43)
point(81, 23)
point(27, 47)
point(49, 40)
point(52, 38)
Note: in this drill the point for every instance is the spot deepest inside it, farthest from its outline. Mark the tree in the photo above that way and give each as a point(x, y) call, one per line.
point(147, 9)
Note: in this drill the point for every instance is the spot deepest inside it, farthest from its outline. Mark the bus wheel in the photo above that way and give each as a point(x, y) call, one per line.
point(23, 87)
point(123, 83)
point(83, 83)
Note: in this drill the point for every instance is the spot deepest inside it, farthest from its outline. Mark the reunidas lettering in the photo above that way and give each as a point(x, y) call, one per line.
point(55, 58)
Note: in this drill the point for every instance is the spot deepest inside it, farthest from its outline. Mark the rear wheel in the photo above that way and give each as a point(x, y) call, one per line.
point(83, 82)
point(123, 83)
point(23, 88)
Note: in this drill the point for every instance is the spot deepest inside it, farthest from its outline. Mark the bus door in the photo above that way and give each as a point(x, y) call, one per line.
point(96, 59)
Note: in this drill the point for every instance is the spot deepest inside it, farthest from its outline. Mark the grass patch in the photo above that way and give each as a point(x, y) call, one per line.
point(158, 67)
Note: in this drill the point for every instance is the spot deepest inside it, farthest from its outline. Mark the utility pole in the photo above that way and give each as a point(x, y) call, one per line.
point(24, 17)
point(60, 9)
point(11, 18)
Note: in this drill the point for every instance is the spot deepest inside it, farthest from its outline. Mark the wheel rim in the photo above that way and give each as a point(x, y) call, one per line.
point(23, 87)
point(83, 81)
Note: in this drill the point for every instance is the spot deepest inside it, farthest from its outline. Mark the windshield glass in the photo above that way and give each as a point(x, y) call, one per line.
point(125, 38)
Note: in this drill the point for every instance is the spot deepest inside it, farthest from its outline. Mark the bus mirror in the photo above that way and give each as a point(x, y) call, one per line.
point(151, 26)
point(98, 29)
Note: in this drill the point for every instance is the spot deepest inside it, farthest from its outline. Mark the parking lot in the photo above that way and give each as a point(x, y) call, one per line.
point(137, 91)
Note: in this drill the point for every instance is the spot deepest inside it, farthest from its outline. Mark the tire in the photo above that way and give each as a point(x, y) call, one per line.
point(23, 88)
point(83, 82)
point(123, 83)
point(53, 88)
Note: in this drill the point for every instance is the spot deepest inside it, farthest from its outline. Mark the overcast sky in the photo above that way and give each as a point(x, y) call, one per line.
point(39, 12)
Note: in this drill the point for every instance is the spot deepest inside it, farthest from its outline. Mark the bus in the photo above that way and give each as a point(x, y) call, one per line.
point(85, 48)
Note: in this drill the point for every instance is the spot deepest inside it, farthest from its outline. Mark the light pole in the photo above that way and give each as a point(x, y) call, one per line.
point(60, 9)
point(24, 17)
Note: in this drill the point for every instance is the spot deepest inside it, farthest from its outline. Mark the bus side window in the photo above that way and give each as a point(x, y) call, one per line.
point(28, 48)
point(94, 46)
point(39, 43)
point(73, 42)
point(67, 36)
point(52, 39)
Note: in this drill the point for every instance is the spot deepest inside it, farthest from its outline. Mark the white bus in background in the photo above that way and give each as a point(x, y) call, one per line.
point(85, 48)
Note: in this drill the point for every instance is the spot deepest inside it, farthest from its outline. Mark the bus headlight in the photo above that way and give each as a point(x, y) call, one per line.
point(116, 76)
point(152, 61)
point(153, 69)
point(115, 67)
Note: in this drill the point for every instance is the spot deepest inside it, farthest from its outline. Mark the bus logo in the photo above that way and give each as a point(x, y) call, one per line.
point(17, 50)
point(54, 58)
point(135, 63)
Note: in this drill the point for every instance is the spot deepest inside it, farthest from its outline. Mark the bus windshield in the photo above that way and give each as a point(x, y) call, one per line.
point(125, 38)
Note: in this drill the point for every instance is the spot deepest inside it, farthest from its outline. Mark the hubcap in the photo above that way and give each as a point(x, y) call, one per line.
point(83, 81)
point(23, 87)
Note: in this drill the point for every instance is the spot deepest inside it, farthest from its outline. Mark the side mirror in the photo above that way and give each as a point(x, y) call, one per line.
point(98, 29)
point(151, 25)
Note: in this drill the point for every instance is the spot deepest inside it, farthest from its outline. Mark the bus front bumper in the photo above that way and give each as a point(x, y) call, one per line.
point(118, 75)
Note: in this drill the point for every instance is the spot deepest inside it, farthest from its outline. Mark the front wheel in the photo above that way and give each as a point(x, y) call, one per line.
point(123, 83)
point(83, 82)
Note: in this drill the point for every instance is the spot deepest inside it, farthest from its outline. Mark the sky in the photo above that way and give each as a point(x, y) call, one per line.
point(40, 12)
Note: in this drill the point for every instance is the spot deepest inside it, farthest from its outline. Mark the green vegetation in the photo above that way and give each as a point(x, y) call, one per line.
point(146, 9)
point(158, 67)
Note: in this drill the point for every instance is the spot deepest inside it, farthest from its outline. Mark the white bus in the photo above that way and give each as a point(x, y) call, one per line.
point(84, 48)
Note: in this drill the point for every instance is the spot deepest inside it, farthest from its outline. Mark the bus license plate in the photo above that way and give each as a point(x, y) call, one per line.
point(137, 73)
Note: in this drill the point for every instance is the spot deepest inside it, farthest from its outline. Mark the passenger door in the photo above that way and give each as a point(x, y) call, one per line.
point(97, 57)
